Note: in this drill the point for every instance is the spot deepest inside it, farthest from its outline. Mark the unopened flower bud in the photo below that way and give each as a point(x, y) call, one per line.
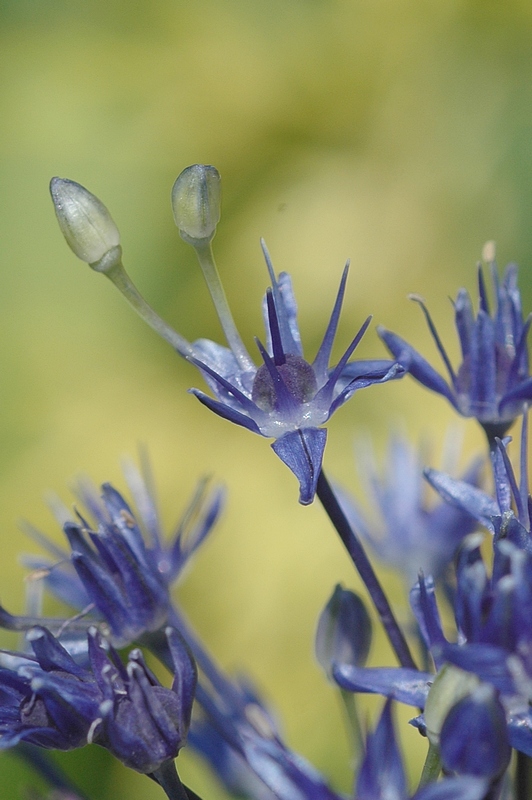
point(196, 203)
point(451, 685)
point(86, 224)
point(474, 736)
point(344, 631)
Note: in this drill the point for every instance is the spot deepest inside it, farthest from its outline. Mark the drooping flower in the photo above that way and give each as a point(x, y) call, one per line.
point(286, 398)
point(119, 570)
point(51, 701)
point(493, 381)
point(408, 532)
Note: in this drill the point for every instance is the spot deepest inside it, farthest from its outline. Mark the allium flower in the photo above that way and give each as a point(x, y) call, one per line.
point(286, 397)
point(53, 702)
point(493, 381)
point(119, 569)
point(407, 533)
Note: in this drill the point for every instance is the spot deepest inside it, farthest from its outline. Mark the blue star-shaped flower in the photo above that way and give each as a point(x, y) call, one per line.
point(493, 381)
point(287, 397)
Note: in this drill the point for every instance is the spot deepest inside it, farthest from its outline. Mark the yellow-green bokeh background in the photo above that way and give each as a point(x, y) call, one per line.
point(394, 132)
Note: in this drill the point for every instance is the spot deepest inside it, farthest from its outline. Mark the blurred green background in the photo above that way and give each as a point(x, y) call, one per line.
point(397, 133)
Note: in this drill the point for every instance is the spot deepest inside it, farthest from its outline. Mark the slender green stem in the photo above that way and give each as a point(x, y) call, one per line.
point(214, 284)
point(118, 275)
point(362, 563)
point(523, 776)
point(166, 776)
point(431, 767)
point(350, 704)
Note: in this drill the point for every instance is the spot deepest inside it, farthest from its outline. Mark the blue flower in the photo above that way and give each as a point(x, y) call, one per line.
point(508, 515)
point(51, 701)
point(287, 397)
point(493, 381)
point(409, 534)
point(119, 570)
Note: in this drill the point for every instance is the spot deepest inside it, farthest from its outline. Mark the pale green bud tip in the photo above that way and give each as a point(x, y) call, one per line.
point(451, 685)
point(196, 203)
point(85, 223)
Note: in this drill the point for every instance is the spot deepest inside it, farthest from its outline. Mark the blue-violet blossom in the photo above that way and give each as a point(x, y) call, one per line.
point(51, 701)
point(407, 532)
point(493, 381)
point(119, 570)
point(286, 398)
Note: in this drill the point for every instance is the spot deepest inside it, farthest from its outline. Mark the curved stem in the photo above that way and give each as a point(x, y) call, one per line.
point(118, 275)
point(168, 779)
point(214, 284)
point(431, 767)
point(365, 570)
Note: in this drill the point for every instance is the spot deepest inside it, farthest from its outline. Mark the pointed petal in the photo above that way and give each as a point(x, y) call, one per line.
point(406, 685)
point(416, 365)
point(226, 411)
point(382, 775)
point(321, 362)
point(302, 452)
point(464, 496)
point(463, 788)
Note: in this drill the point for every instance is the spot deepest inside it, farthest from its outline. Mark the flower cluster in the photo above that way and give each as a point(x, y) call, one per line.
point(69, 685)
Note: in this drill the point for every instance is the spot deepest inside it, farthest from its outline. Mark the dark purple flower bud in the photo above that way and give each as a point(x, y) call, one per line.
point(343, 636)
point(474, 737)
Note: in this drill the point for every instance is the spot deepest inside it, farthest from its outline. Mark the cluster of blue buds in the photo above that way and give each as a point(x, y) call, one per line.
point(52, 701)
point(469, 552)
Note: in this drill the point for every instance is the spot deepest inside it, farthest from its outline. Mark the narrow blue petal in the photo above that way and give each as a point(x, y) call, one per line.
point(464, 496)
point(482, 369)
point(321, 362)
point(395, 371)
point(275, 333)
point(234, 391)
point(485, 660)
point(416, 365)
point(285, 305)
point(463, 788)
point(465, 322)
point(226, 411)
point(186, 676)
point(382, 775)
point(406, 685)
point(436, 337)
point(302, 452)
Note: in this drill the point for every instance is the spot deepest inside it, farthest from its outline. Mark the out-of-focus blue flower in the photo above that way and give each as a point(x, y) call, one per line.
point(382, 775)
point(240, 740)
point(493, 381)
point(51, 701)
point(287, 398)
point(506, 517)
point(344, 631)
point(410, 535)
point(119, 570)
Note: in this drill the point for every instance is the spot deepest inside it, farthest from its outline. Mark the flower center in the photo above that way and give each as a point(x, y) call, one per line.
point(298, 377)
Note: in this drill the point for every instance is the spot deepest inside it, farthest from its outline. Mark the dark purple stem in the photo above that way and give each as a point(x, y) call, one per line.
point(365, 570)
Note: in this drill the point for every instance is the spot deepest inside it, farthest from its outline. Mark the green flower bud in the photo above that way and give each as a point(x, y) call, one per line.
point(86, 224)
point(451, 685)
point(196, 203)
